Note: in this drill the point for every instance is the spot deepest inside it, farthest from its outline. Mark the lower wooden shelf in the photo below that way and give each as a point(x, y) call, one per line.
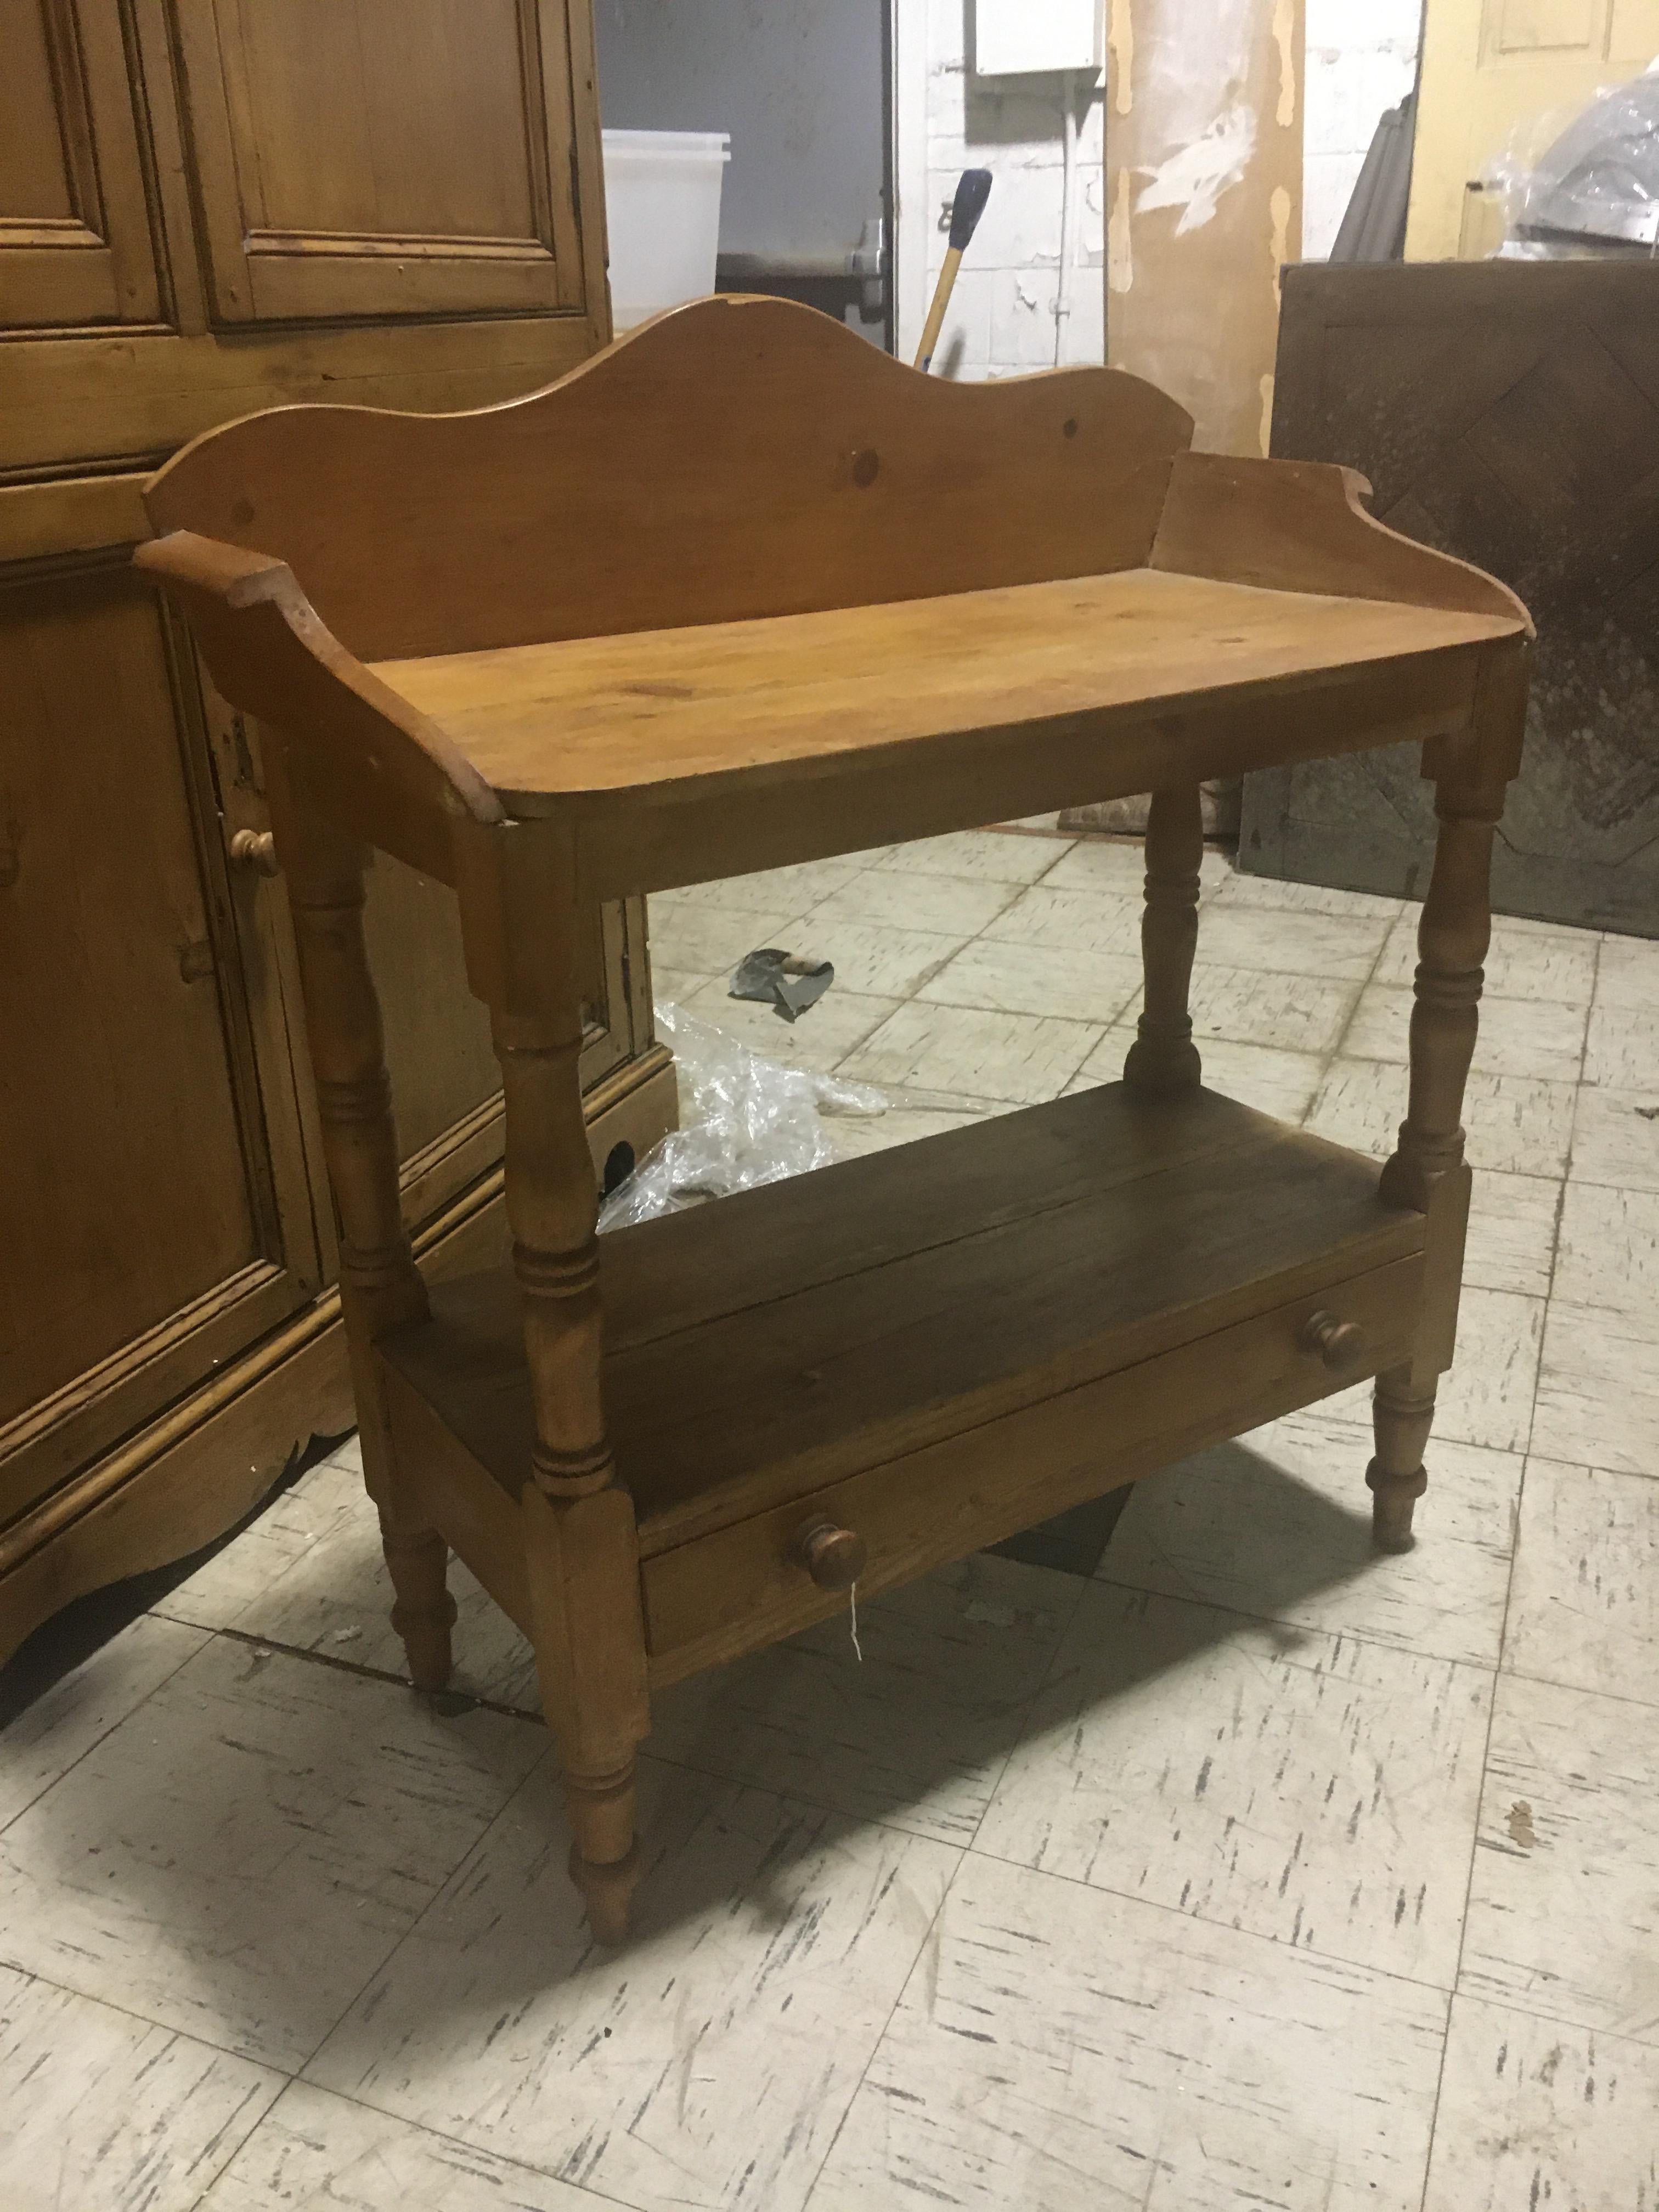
point(938, 1346)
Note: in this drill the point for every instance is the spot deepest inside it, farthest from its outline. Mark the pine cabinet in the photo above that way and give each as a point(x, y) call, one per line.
point(209, 207)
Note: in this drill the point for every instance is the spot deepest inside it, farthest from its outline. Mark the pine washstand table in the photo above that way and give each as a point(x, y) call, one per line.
point(742, 591)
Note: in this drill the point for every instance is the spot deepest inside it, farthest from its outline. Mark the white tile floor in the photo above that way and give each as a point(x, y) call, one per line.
point(1258, 1871)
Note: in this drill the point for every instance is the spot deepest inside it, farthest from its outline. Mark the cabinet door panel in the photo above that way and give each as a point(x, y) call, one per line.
point(74, 238)
point(383, 157)
point(142, 1215)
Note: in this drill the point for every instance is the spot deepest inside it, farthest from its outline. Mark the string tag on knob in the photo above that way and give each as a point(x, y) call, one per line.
point(852, 1615)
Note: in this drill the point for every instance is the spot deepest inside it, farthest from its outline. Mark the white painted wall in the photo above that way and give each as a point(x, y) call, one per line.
point(1002, 319)
point(1361, 59)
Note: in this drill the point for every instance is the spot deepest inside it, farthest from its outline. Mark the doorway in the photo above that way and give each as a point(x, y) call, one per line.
point(802, 87)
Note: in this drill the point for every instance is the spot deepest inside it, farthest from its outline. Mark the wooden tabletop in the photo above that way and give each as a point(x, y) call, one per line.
point(767, 701)
point(743, 590)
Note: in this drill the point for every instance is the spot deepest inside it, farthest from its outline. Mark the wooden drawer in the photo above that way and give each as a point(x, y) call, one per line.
point(743, 1587)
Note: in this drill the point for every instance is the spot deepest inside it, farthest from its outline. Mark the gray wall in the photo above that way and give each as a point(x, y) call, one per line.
point(796, 83)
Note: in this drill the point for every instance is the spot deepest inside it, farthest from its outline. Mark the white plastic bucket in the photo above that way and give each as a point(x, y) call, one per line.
point(662, 200)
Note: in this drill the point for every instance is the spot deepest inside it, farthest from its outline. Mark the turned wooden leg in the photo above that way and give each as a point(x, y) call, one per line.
point(380, 1286)
point(1396, 1477)
point(1164, 1057)
point(425, 1611)
point(605, 1852)
point(1428, 1172)
point(580, 1545)
point(1451, 941)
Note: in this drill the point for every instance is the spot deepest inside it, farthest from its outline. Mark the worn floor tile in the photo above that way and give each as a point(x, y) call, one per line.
point(1517, 1037)
point(1565, 1893)
point(1116, 867)
point(674, 986)
point(1282, 1083)
point(708, 2062)
point(335, 1596)
point(824, 1034)
point(996, 856)
point(1629, 973)
point(1022, 1058)
point(1598, 1389)
point(770, 890)
point(46, 1738)
point(915, 1733)
point(705, 939)
point(1281, 939)
point(1526, 959)
point(1071, 922)
point(1291, 1013)
point(103, 2112)
point(1608, 1252)
point(319, 2153)
point(1511, 1241)
point(951, 906)
point(1623, 1049)
point(239, 1855)
point(1538, 2118)
point(1240, 890)
point(875, 959)
point(1615, 1138)
point(1072, 1542)
point(1278, 1524)
point(1518, 1124)
point(1035, 979)
point(265, 1550)
point(1585, 1600)
point(1314, 1788)
point(1062, 2050)
point(1488, 1397)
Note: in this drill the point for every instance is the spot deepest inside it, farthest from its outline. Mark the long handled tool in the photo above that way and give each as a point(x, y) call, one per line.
point(972, 191)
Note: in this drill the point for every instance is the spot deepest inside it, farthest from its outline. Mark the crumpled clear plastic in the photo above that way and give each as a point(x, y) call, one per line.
point(1583, 183)
point(744, 1121)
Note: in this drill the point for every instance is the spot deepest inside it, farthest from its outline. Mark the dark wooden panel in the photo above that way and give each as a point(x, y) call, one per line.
point(1507, 413)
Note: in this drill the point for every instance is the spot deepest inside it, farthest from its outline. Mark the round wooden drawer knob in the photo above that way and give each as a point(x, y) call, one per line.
point(255, 849)
point(833, 1557)
point(1338, 1343)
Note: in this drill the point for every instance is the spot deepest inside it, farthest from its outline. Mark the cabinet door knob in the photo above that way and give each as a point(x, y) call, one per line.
point(1338, 1343)
point(255, 850)
point(833, 1557)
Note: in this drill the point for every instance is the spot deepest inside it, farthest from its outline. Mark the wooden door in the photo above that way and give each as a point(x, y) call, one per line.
point(75, 238)
point(1489, 67)
point(154, 1210)
point(382, 157)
